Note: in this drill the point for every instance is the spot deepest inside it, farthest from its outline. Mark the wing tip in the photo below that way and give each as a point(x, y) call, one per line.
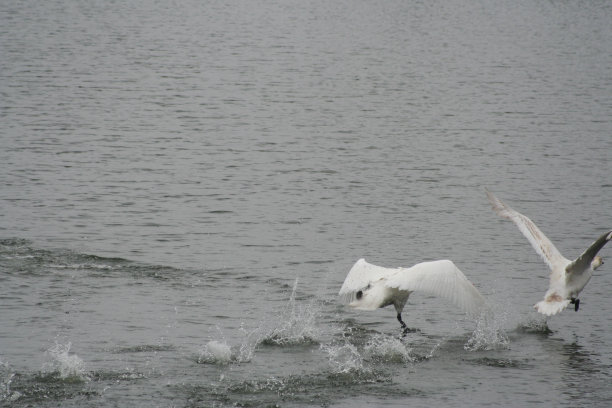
point(498, 205)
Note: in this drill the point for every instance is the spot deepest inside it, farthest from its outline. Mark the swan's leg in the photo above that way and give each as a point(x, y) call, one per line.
point(576, 303)
point(405, 328)
point(399, 318)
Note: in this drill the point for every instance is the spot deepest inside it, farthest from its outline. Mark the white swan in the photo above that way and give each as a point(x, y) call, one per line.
point(368, 287)
point(567, 278)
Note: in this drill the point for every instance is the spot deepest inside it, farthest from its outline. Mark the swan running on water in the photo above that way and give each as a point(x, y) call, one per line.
point(368, 287)
point(567, 278)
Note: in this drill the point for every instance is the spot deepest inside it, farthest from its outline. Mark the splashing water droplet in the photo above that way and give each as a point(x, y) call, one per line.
point(387, 349)
point(295, 325)
point(66, 364)
point(489, 333)
point(216, 352)
point(6, 378)
point(344, 358)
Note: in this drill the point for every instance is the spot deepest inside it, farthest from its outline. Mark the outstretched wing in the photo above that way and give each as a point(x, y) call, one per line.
point(583, 262)
point(542, 245)
point(360, 276)
point(442, 279)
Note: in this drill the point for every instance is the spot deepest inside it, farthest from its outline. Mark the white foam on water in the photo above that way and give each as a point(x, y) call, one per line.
point(66, 364)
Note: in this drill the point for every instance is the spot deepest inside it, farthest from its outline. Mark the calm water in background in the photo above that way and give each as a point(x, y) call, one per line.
point(184, 186)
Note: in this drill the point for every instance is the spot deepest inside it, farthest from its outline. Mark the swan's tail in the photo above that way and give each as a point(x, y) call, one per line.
point(550, 308)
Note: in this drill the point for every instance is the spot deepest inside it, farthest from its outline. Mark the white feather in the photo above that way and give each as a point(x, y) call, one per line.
point(567, 278)
point(551, 308)
point(360, 276)
point(369, 286)
point(442, 279)
point(542, 245)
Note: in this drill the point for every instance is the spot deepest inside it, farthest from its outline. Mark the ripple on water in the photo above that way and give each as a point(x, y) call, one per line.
point(144, 348)
point(319, 388)
point(498, 362)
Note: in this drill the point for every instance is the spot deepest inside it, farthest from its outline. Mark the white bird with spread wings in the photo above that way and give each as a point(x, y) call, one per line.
point(567, 278)
point(368, 287)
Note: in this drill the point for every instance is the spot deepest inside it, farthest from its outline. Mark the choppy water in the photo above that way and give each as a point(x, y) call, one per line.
point(184, 186)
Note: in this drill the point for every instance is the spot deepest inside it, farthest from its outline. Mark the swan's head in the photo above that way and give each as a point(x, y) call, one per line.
point(371, 297)
point(597, 262)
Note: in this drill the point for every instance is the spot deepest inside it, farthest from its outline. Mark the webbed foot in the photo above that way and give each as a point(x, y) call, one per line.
point(576, 303)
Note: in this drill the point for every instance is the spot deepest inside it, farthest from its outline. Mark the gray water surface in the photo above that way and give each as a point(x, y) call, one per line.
point(185, 185)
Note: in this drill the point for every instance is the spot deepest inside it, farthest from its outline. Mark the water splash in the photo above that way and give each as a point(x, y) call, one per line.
point(6, 378)
point(294, 326)
point(383, 348)
point(489, 333)
point(68, 366)
point(365, 352)
point(435, 349)
point(344, 358)
point(216, 352)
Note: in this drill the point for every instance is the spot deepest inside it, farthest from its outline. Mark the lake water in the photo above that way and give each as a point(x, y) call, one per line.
point(185, 185)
